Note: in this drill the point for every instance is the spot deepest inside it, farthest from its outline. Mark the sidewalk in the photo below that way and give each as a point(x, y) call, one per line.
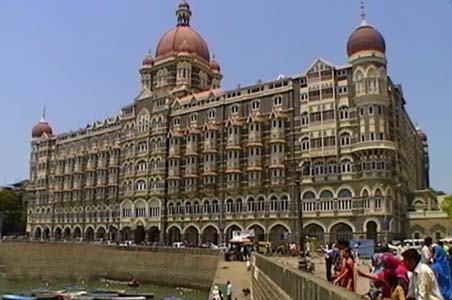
point(237, 274)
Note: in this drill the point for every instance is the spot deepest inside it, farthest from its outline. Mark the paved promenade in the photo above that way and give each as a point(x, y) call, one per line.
point(237, 274)
point(320, 270)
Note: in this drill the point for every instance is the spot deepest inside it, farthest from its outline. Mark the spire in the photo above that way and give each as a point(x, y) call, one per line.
point(183, 14)
point(43, 117)
point(363, 13)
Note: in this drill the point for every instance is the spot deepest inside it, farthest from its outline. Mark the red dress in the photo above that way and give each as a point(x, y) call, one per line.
point(347, 275)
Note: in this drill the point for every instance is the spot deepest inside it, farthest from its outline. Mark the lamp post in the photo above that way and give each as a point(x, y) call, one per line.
point(302, 261)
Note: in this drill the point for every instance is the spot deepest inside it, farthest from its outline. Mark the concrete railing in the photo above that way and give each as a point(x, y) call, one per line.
point(271, 280)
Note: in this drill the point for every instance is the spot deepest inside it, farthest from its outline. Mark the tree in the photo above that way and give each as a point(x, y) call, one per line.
point(13, 211)
point(446, 206)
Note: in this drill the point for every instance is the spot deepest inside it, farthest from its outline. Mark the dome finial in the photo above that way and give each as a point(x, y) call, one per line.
point(363, 13)
point(43, 117)
point(183, 14)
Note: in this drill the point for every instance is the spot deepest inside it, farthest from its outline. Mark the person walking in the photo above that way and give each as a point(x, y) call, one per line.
point(441, 269)
point(228, 291)
point(426, 251)
point(346, 277)
point(423, 284)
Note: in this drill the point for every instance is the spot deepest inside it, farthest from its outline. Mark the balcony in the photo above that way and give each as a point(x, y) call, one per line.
point(210, 147)
point(254, 140)
point(159, 130)
point(370, 145)
point(233, 143)
point(174, 152)
point(191, 149)
point(233, 166)
point(173, 172)
point(277, 136)
point(254, 165)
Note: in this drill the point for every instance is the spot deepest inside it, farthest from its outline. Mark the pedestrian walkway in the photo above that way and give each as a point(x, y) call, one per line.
point(320, 270)
point(237, 273)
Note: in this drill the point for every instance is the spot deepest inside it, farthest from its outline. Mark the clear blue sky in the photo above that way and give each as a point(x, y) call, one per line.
point(81, 58)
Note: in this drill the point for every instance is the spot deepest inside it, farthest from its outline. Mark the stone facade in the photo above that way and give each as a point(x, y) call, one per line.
point(189, 161)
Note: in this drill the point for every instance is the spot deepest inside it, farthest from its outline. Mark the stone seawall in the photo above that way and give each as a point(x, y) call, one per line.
point(271, 280)
point(166, 266)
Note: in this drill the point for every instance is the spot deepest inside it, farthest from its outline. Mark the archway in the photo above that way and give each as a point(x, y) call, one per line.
point(230, 230)
point(191, 236)
point(371, 231)
point(315, 231)
point(154, 234)
point(77, 234)
point(89, 234)
point(210, 235)
point(100, 234)
point(341, 231)
point(46, 233)
point(174, 235)
point(126, 233)
point(259, 233)
point(58, 234)
point(140, 234)
point(278, 234)
point(67, 233)
point(38, 233)
point(113, 233)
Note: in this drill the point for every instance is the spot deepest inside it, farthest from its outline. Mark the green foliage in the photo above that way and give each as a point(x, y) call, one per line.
point(446, 206)
point(14, 215)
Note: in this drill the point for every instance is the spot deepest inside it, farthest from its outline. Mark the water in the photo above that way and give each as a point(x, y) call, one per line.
point(25, 286)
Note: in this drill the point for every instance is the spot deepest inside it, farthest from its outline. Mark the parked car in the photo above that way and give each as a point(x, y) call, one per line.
point(178, 245)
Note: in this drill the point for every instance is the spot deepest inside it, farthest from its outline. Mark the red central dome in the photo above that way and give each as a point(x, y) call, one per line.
point(365, 37)
point(183, 38)
point(41, 128)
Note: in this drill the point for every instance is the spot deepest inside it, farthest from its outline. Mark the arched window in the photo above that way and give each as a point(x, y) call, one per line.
point(229, 205)
point(251, 205)
point(215, 206)
point(284, 203)
point(346, 166)
point(305, 144)
point(326, 195)
point(261, 204)
point(206, 207)
point(273, 203)
point(171, 208)
point(238, 205)
point(188, 208)
point(141, 185)
point(343, 112)
point(304, 118)
point(308, 195)
point(141, 166)
point(345, 139)
point(196, 207)
point(345, 193)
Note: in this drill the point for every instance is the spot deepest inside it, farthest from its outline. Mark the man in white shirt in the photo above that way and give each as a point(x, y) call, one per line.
point(229, 291)
point(423, 284)
point(427, 251)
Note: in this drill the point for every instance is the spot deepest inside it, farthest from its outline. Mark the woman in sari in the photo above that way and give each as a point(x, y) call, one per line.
point(392, 266)
point(441, 269)
point(346, 276)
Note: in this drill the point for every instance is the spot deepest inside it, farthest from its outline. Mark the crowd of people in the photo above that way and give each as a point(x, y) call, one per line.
point(418, 274)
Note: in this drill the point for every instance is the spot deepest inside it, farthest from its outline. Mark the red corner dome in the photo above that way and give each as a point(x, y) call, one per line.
point(214, 65)
point(422, 135)
point(183, 38)
point(148, 60)
point(41, 128)
point(365, 37)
